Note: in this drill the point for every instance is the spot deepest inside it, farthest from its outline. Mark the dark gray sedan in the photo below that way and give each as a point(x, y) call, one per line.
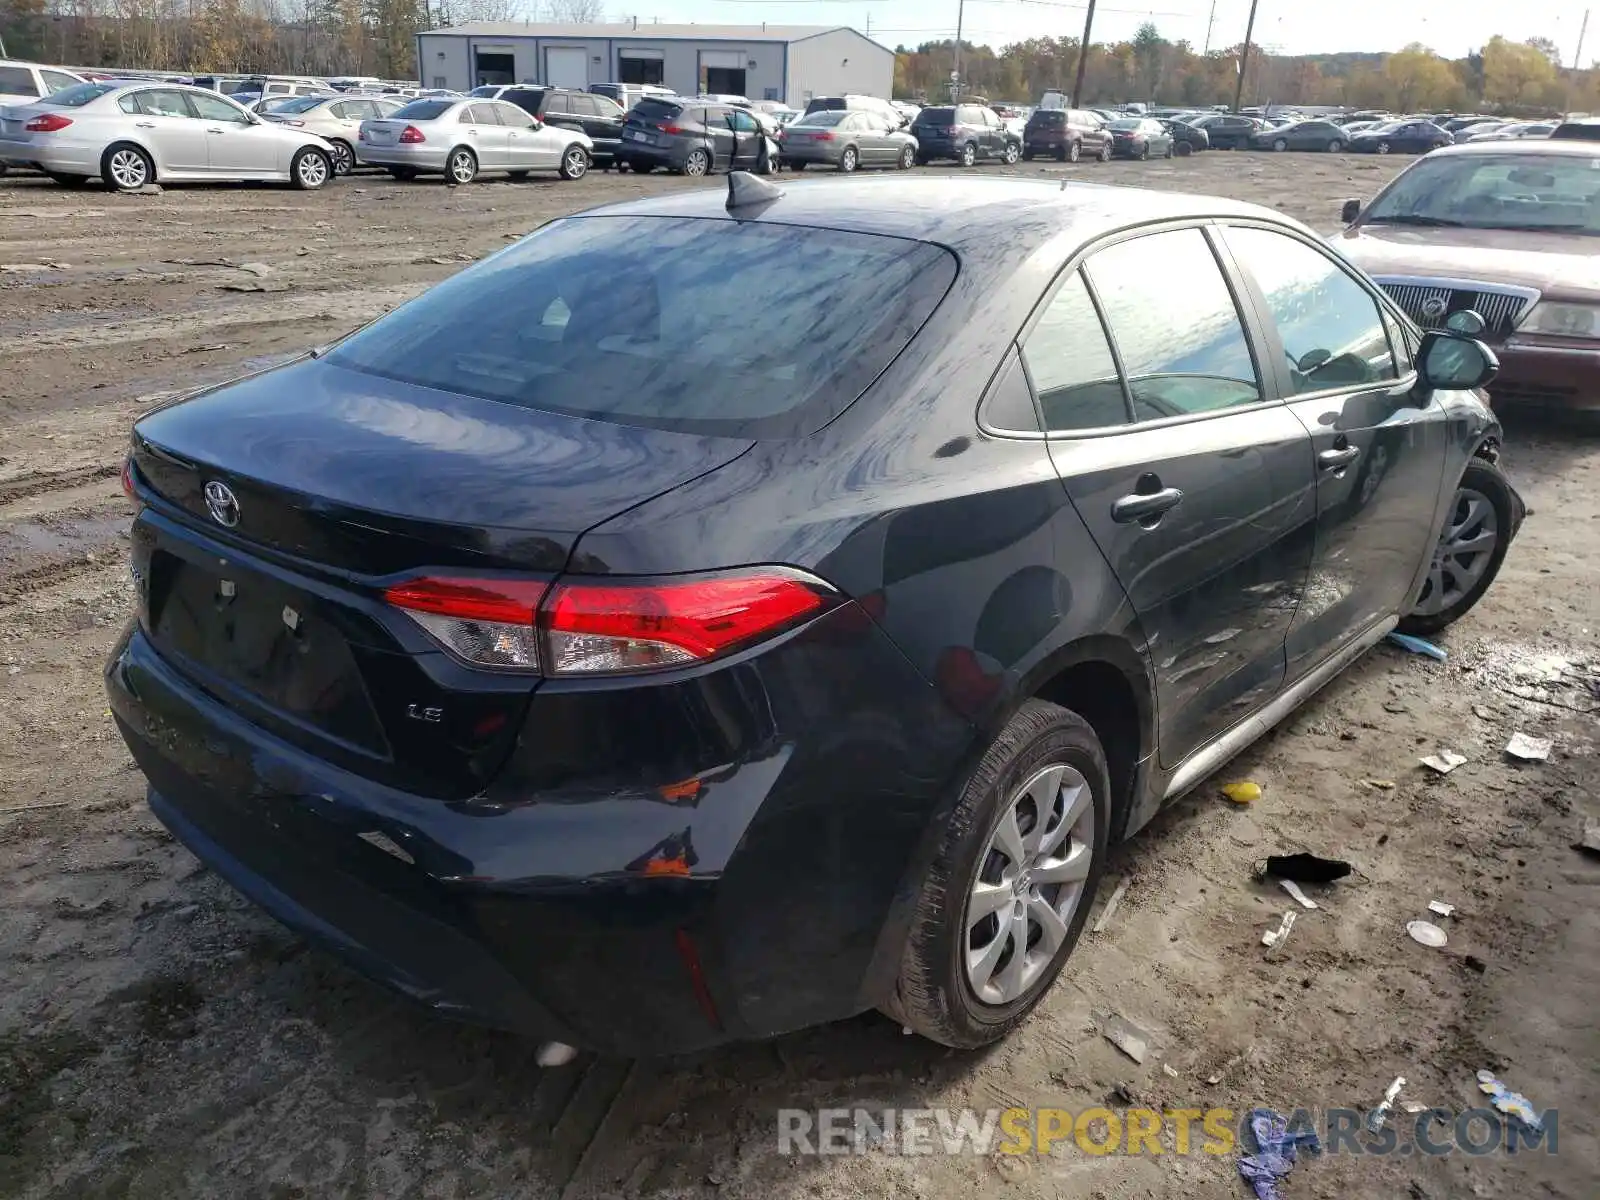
point(846, 140)
point(1303, 135)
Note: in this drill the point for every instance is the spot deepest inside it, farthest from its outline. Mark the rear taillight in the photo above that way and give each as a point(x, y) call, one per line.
point(823, 137)
point(670, 128)
point(127, 479)
point(412, 135)
point(361, 134)
point(48, 123)
point(605, 626)
point(484, 621)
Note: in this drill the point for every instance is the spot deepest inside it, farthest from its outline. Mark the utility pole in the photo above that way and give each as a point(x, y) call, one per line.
point(1076, 99)
point(1244, 56)
point(1210, 21)
point(1577, 59)
point(955, 75)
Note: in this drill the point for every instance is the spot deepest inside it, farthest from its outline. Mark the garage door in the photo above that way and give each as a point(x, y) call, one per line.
point(566, 66)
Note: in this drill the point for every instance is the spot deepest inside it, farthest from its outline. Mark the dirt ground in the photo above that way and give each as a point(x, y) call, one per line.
point(159, 1037)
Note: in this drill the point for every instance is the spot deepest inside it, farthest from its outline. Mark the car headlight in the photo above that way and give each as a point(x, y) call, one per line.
point(1563, 320)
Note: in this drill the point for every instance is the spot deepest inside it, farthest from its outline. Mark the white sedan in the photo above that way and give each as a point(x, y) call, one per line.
point(459, 138)
point(134, 134)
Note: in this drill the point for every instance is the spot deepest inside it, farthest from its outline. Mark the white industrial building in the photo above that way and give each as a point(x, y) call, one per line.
point(791, 63)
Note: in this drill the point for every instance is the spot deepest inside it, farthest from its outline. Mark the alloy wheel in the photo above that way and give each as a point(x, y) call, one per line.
point(129, 169)
point(1463, 553)
point(1074, 152)
point(969, 155)
point(907, 157)
point(1012, 153)
point(848, 160)
point(312, 170)
point(577, 163)
point(462, 167)
point(344, 158)
point(696, 163)
point(1280, 145)
point(1030, 883)
point(1383, 147)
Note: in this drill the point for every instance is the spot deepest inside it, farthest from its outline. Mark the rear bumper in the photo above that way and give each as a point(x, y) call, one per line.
point(574, 902)
point(427, 157)
point(809, 153)
point(1547, 375)
point(672, 156)
point(55, 153)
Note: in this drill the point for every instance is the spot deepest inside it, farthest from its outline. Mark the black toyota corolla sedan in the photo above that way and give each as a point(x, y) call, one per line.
point(703, 620)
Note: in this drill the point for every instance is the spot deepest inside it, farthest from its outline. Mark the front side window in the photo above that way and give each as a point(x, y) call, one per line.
point(214, 108)
point(657, 324)
point(1071, 366)
point(1175, 325)
point(1330, 326)
point(514, 117)
point(742, 121)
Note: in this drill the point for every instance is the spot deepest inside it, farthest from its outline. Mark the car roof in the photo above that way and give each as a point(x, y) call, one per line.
point(1520, 147)
point(970, 214)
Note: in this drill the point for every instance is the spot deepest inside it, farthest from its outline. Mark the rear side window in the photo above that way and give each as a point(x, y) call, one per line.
point(651, 321)
point(1331, 328)
point(1070, 364)
point(482, 114)
point(425, 110)
point(17, 81)
point(1174, 324)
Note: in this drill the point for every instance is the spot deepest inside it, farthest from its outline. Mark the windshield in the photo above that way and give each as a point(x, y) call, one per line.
point(1501, 191)
point(79, 94)
point(424, 110)
point(299, 104)
point(653, 321)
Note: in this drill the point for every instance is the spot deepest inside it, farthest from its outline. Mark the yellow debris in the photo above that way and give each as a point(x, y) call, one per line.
point(1242, 792)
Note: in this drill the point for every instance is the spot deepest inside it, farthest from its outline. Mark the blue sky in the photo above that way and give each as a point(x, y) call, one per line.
point(1292, 26)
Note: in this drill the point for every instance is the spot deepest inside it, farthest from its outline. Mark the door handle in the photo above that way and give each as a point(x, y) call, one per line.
point(144, 124)
point(1338, 459)
point(1142, 506)
point(213, 131)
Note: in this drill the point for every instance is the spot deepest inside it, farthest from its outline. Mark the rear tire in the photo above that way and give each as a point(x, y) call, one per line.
point(935, 994)
point(1144, 152)
point(1075, 152)
point(343, 156)
point(1458, 577)
point(126, 168)
point(849, 160)
point(1183, 149)
point(1027, 156)
point(1170, 151)
point(1335, 146)
point(697, 164)
point(1105, 152)
point(969, 155)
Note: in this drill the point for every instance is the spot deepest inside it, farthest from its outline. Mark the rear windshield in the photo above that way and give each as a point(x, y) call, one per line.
point(655, 110)
point(425, 110)
point(79, 94)
point(1577, 131)
point(1123, 125)
point(823, 103)
point(819, 119)
point(1050, 116)
point(937, 116)
point(652, 321)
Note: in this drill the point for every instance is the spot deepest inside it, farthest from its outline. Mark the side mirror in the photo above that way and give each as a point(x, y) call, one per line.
point(1349, 211)
point(1449, 362)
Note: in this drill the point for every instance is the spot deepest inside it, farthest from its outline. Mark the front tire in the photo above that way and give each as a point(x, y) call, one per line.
point(1144, 152)
point(1280, 145)
point(462, 167)
point(126, 167)
point(1383, 147)
point(1183, 149)
point(1105, 152)
point(1012, 883)
point(311, 169)
point(1466, 558)
point(907, 157)
point(574, 163)
point(1335, 146)
point(969, 155)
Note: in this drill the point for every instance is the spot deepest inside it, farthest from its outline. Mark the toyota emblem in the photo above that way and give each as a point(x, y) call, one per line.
point(1433, 307)
point(222, 504)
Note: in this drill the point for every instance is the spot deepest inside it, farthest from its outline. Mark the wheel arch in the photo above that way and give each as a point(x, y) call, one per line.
point(149, 153)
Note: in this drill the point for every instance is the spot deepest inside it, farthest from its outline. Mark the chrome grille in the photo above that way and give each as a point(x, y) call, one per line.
point(1429, 302)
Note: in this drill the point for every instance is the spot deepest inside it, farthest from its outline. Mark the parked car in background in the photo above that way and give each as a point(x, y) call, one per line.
point(588, 112)
point(227, 85)
point(335, 119)
point(907, 109)
point(285, 85)
point(1406, 137)
point(461, 138)
point(1456, 124)
point(1577, 131)
point(871, 104)
point(1065, 134)
point(690, 137)
point(1227, 131)
point(131, 135)
point(1303, 135)
point(546, 692)
point(1351, 128)
point(1139, 137)
point(1510, 229)
point(626, 95)
point(1477, 129)
point(23, 82)
point(1516, 130)
point(1186, 138)
point(846, 141)
point(267, 105)
point(964, 133)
